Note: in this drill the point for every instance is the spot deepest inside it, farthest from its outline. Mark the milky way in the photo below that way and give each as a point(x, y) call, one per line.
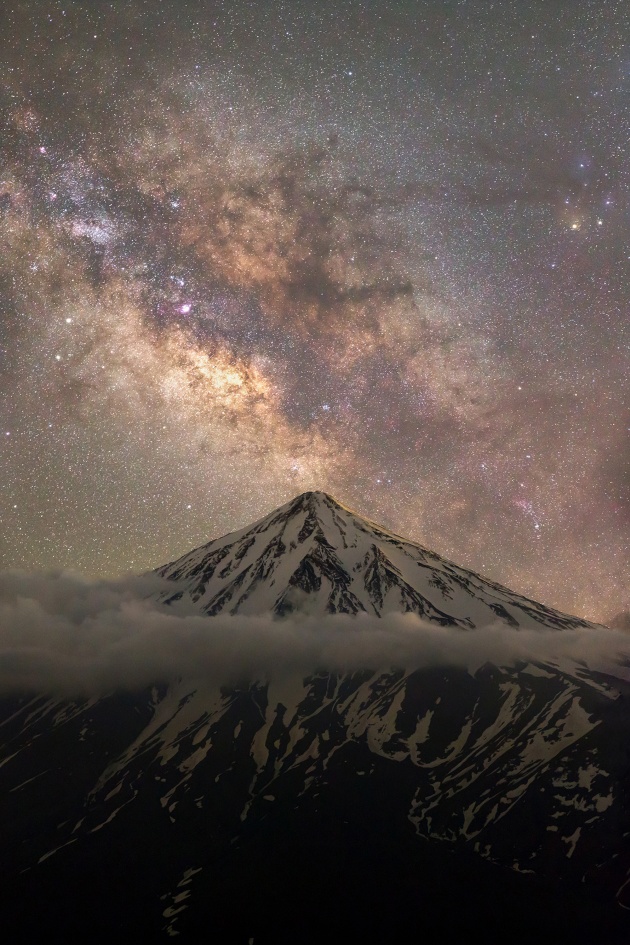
point(379, 249)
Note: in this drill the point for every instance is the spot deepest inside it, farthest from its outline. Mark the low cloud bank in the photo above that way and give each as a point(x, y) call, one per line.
point(60, 632)
point(621, 621)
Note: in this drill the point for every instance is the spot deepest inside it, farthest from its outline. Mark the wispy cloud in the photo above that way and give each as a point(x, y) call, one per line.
point(62, 633)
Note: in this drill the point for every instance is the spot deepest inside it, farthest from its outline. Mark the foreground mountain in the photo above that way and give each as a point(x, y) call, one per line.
point(408, 805)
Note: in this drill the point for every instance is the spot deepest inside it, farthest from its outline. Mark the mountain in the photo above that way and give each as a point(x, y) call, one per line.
point(314, 555)
point(414, 804)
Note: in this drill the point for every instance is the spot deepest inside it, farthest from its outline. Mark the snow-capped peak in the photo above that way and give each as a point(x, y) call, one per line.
point(315, 555)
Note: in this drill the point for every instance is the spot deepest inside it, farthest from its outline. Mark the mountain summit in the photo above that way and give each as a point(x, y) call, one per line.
point(316, 556)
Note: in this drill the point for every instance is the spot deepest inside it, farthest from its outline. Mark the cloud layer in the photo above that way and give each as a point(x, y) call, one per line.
point(68, 635)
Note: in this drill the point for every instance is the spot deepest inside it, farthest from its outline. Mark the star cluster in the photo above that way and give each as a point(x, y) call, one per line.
point(379, 249)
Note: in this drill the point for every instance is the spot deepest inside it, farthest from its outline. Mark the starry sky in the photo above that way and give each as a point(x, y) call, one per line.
point(374, 248)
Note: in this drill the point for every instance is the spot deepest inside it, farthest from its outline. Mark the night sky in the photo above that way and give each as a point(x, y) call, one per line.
point(375, 248)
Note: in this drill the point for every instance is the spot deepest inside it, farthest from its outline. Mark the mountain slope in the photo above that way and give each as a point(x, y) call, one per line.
point(413, 803)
